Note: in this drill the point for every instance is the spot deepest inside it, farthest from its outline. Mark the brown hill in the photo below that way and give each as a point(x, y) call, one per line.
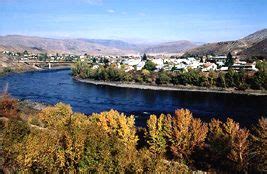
point(170, 47)
point(72, 46)
point(236, 47)
point(89, 46)
point(258, 50)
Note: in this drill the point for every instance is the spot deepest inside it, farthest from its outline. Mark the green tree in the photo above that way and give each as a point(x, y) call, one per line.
point(150, 66)
point(144, 57)
point(163, 78)
point(229, 60)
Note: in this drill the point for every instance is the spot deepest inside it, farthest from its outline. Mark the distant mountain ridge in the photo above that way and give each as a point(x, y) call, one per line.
point(251, 45)
point(171, 47)
point(89, 46)
point(239, 47)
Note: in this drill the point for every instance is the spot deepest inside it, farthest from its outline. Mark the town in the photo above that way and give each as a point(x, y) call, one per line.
point(132, 62)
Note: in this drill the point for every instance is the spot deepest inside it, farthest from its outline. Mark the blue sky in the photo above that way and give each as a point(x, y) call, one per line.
point(134, 20)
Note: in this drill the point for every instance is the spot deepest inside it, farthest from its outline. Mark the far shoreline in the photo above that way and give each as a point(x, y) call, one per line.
point(173, 88)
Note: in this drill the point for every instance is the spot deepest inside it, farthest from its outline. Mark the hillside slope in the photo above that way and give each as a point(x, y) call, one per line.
point(235, 47)
point(258, 50)
point(73, 46)
point(170, 47)
point(89, 46)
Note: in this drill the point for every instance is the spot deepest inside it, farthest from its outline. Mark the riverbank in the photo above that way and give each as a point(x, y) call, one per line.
point(174, 88)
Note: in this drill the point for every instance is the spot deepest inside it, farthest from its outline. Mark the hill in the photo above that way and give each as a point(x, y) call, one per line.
point(89, 46)
point(258, 50)
point(7, 63)
point(170, 47)
point(72, 46)
point(236, 47)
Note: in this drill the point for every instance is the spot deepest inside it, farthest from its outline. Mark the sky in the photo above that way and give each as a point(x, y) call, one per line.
point(134, 20)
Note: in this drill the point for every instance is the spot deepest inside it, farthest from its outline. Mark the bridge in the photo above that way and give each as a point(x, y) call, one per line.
point(48, 64)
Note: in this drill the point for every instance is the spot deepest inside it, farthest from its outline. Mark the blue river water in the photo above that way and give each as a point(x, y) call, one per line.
point(58, 86)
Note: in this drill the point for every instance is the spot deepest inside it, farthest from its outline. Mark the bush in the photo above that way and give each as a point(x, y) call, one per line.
point(163, 78)
point(149, 65)
point(8, 106)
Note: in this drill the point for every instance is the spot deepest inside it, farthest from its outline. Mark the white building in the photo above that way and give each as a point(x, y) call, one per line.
point(209, 67)
point(140, 65)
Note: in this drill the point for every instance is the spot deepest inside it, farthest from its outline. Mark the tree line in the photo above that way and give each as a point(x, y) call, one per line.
point(240, 80)
point(57, 139)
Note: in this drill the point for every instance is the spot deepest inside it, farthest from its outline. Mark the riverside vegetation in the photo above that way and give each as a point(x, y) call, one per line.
point(56, 139)
point(231, 79)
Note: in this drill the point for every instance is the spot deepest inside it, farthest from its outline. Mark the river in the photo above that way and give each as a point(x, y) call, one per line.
point(58, 86)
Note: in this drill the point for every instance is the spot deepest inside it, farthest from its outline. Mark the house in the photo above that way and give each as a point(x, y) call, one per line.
point(247, 66)
point(224, 68)
point(209, 67)
point(221, 58)
point(140, 65)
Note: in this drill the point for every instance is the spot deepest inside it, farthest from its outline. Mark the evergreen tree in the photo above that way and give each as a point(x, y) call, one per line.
point(229, 60)
point(144, 57)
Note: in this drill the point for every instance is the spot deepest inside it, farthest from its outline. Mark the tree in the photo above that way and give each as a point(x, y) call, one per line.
point(188, 134)
point(144, 57)
point(163, 78)
point(122, 130)
point(150, 66)
point(25, 52)
point(43, 57)
point(159, 133)
point(228, 146)
point(229, 60)
point(258, 152)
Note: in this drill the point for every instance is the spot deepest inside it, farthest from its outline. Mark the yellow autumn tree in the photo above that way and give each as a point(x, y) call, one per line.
point(258, 152)
point(159, 131)
point(71, 129)
point(123, 130)
point(188, 134)
point(228, 146)
point(238, 142)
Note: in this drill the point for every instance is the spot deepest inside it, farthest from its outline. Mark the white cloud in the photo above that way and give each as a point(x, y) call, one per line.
point(111, 11)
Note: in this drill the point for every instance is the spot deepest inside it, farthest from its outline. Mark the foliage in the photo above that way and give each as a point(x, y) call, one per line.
point(149, 65)
point(8, 106)
point(163, 78)
point(229, 60)
point(188, 134)
point(231, 79)
point(62, 141)
point(159, 133)
point(228, 145)
point(258, 152)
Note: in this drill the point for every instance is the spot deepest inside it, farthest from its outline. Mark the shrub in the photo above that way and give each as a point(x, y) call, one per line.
point(149, 65)
point(8, 107)
point(163, 78)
